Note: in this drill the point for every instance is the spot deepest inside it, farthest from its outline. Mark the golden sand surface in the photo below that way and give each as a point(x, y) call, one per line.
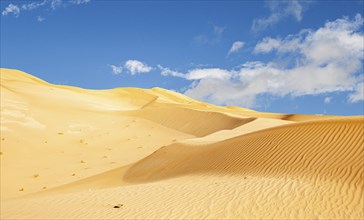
point(129, 153)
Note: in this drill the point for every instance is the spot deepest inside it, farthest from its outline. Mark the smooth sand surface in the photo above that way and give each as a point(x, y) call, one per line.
point(128, 153)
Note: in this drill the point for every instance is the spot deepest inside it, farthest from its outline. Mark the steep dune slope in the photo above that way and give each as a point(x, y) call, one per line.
point(252, 126)
point(195, 122)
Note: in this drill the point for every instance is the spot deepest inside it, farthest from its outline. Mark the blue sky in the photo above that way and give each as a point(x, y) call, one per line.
point(279, 56)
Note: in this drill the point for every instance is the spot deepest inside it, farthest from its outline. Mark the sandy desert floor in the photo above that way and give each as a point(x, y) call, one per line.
point(72, 153)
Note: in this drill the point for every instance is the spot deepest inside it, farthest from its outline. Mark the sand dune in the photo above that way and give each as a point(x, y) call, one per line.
point(69, 153)
point(195, 122)
point(333, 151)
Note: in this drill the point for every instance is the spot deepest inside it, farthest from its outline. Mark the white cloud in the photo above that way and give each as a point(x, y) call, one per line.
point(197, 74)
point(327, 100)
point(337, 41)
point(237, 45)
point(279, 11)
point(11, 9)
point(168, 72)
point(116, 69)
point(49, 4)
point(55, 4)
point(209, 73)
point(267, 45)
point(135, 66)
point(317, 62)
point(358, 94)
point(222, 92)
point(79, 2)
point(33, 5)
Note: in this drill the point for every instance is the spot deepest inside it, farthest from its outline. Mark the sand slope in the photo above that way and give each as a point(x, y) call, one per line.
point(332, 151)
point(71, 153)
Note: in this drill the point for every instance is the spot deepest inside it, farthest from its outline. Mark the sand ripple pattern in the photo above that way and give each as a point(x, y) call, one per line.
point(317, 150)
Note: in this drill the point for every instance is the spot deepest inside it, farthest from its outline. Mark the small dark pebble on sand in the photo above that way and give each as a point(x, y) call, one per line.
point(118, 206)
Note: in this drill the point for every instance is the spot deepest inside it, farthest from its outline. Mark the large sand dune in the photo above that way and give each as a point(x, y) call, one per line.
point(69, 153)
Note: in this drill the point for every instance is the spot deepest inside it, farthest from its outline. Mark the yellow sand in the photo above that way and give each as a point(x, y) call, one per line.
point(72, 153)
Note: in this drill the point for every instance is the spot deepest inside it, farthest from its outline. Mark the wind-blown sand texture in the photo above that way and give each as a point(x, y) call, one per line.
point(72, 153)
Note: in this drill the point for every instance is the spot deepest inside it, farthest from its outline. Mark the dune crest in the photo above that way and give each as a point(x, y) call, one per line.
point(70, 153)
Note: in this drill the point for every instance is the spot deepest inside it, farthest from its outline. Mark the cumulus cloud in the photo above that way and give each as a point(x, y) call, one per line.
point(358, 94)
point(237, 45)
point(135, 66)
point(132, 66)
point(325, 60)
point(337, 41)
point(197, 74)
point(11, 9)
point(168, 72)
point(116, 69)
point(279, 11)
point(267, 45)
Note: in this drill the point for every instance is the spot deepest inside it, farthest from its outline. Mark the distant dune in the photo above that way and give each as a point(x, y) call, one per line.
point(72, 153)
